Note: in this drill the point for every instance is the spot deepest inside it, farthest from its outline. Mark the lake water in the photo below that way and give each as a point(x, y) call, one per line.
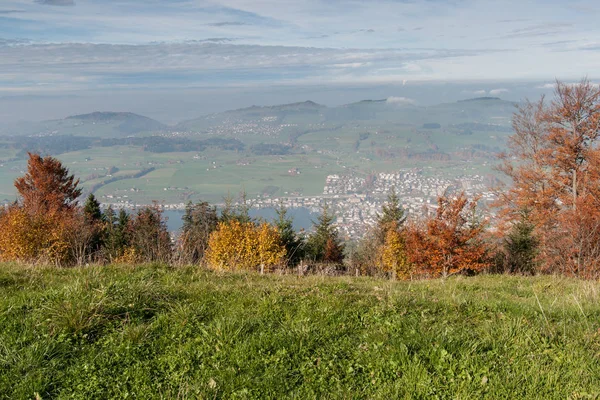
point(302, 217)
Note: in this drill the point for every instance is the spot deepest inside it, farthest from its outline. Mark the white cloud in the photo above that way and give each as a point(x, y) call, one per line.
point(546, 86)
point(400, 101)
point(496, 92)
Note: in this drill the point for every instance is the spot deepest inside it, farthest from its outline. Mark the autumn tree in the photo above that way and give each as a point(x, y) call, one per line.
point(554, 165)
point(83, 235)
point(236, 245)
point(34, 238)
point(393, 257)
point(36, 227)
point(47, 186)
point(367, 257)
point(450, 241)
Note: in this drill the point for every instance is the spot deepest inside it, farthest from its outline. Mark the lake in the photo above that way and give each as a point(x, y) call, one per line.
point(302, 217)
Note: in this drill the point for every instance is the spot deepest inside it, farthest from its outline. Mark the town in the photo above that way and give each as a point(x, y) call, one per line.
point(356, 201)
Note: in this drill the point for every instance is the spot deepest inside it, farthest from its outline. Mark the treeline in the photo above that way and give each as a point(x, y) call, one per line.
point(546, 221)
point(112, 179)
point(47, 225)
point(58, 144)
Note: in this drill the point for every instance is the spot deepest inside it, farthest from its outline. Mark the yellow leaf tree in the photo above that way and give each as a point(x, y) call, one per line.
point(393, 256)
point(236, 245)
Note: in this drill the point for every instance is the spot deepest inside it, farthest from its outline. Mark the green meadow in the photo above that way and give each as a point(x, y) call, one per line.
point(154, 331)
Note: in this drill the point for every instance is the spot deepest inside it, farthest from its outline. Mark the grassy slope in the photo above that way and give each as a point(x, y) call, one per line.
point(151, 332)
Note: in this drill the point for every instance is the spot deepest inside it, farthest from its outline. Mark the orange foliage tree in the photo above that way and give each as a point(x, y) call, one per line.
point(47, 186)
point(450, 241)
point(37, 228)
point(30, 237)
point(554, 164)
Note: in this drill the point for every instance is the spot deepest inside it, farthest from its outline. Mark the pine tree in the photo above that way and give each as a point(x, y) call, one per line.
point(325, 240)
point(92, 210)
point(92, 227)
point(231, 211)
point(521, 246)
point(392, 215)
point(294, 245)
point(116, 232)
point(199, 221)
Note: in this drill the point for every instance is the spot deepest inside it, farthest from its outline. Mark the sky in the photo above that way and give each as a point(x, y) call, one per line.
point(178, 58)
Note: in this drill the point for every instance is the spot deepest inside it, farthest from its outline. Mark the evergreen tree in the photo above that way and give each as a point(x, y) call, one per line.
point(231, 211)
point(392, 215)
point(94, 227)
point(294, 245)
point(521, 246)
point(110, 217)
point(324, 245)
point(116, 232)
point(148, 235)
point(199, 221)
point(91, 209)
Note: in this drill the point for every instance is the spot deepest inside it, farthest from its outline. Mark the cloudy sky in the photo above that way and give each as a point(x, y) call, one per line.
point(147, 50)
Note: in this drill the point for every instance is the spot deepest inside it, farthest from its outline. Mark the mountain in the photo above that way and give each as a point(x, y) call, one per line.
point(125, 123)
point(291, 113)
point(96, 124)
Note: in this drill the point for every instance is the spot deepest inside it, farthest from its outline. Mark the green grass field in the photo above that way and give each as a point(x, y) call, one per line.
point(159, 332)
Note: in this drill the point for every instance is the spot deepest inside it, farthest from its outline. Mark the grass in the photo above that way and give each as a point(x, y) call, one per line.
point(158, 332)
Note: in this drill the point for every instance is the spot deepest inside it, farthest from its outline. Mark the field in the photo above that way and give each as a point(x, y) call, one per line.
point(160, 332)
point(357, 139)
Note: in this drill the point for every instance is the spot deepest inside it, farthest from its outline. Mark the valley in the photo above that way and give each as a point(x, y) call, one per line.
point(278, 154)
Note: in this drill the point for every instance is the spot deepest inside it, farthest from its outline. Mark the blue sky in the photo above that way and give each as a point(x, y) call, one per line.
point(49, 47)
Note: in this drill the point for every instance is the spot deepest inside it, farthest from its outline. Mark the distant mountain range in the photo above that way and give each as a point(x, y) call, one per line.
point(126, 124)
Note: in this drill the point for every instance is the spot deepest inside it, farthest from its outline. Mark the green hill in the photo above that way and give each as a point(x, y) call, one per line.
point(158, 332)
point(96, 124)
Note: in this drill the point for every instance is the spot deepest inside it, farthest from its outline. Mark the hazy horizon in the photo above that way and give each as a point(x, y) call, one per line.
point(173, 106)
point(173, 60)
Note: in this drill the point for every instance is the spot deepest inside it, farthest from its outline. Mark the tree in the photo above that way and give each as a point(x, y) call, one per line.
point(521, 246)
point(47, 186)
point(92, 210)
point(199, 221)
point(117, 238)
point(37, 228)
point(33, 238)
point(148, 236)
point(91, 225)
point(236, 245)
point(239, 212)
point(393, 256)
point(84, 236)
point(554, 164)
point(392, 215)
point(449, 242)
point(324, 245)
point(294, 244)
